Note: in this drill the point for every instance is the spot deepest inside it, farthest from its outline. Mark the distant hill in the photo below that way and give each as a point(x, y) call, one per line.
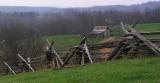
point(29, 9)
point(141, 7)
point(150, 5)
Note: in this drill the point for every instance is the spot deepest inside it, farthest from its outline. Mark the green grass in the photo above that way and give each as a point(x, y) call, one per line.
point(67, 41)
point(144, 70)
point(121, 71)
point(152, 36)
point(148, 27)
point(64, 41)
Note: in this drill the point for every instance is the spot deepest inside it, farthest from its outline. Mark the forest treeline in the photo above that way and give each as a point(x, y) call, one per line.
point(72, 21)
point(28, 26)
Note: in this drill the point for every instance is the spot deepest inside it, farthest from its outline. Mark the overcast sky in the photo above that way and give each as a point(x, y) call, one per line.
point(69, 3)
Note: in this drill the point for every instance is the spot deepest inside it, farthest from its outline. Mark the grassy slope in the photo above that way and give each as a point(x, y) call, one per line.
point(120, 71)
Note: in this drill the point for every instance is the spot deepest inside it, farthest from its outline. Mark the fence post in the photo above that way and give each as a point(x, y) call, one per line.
point(30, 67)
point(6, 64)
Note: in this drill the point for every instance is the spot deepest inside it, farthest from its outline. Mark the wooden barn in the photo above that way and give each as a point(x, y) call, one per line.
point(100, 31)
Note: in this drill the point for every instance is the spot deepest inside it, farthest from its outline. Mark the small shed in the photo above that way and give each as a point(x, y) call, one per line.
point(99, 30)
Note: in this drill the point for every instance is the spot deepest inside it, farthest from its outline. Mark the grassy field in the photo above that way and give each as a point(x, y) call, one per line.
point(144, 70)
point(121, 71)
point(148, 27)
point(152, 36)
point(65, 41)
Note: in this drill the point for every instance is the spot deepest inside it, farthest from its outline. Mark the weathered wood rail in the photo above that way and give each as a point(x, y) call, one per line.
point(103, 45)
point(130, 36)
point(150, 33)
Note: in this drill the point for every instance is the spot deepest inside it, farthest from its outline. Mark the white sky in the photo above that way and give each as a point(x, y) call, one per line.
point(69, 3)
